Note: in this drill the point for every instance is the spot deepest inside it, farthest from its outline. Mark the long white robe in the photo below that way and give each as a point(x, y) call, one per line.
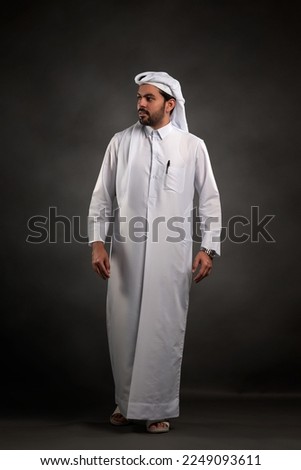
point(152, 177)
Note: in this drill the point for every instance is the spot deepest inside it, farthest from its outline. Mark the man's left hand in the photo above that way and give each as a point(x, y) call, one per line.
point(205, 262)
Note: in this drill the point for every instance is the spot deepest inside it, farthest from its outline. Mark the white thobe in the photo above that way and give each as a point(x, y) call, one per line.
point(147, 180)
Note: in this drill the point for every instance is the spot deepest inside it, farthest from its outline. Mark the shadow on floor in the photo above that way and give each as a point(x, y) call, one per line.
point(206, 422)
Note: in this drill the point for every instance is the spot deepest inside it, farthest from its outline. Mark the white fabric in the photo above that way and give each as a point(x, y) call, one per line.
point(163, 87)
point(148, 290)
point(170, 85)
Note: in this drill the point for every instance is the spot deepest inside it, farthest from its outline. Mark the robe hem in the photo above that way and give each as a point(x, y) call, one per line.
point(146, 411)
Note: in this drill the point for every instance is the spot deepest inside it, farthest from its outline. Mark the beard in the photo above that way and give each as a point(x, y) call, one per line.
point(152, 119)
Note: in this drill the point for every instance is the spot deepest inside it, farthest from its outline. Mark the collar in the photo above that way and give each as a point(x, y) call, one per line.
point(162, 132)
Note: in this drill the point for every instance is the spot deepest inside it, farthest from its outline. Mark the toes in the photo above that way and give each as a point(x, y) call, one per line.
point(158, 426)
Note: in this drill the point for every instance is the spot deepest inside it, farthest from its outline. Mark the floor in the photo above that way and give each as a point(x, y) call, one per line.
point(205, 423)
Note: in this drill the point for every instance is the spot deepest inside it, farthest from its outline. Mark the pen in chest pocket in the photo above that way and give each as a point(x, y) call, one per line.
point(167, 166)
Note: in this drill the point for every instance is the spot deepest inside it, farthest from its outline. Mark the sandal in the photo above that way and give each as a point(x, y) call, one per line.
point(153, 428)
point(117, 419)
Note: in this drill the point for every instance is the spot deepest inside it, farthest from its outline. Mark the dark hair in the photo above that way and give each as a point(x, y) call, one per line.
point(167, 97)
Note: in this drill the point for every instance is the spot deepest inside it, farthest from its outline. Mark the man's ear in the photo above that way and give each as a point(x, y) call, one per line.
point(170, 105)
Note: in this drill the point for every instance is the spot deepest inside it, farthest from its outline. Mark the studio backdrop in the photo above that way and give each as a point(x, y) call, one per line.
point(67, 87)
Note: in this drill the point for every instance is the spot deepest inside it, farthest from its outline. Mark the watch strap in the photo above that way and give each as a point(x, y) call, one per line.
point(210, 253)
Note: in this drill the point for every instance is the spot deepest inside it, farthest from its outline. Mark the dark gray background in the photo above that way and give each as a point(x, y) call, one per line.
point(67, 83)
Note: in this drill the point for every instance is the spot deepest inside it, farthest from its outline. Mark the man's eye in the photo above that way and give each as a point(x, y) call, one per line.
point(149, 99)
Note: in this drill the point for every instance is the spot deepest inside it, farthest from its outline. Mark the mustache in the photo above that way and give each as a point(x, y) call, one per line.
point(143, 111)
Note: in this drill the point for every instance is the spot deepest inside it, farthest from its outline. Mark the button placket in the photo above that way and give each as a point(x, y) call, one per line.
point(153, 176)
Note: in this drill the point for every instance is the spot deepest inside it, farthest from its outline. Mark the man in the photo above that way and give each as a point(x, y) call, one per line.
point(148, 178)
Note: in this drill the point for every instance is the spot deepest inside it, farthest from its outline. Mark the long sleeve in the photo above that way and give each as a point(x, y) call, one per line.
point(209, 208)
point(101, 205)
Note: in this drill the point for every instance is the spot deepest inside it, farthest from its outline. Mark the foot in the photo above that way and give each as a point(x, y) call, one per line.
point(157, 427)
point(117, 419)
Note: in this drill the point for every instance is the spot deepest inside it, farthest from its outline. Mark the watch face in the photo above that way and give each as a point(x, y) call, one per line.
point(209, 252)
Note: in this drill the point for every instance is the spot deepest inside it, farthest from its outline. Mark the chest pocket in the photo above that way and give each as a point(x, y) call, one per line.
point(174, 179)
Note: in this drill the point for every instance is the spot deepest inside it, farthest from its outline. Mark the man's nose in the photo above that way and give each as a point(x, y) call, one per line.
point(142, 103)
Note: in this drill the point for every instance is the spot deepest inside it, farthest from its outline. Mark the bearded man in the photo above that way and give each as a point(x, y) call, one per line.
point(147, 181)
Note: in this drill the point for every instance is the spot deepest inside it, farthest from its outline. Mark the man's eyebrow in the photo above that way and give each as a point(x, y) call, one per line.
point(150, 95)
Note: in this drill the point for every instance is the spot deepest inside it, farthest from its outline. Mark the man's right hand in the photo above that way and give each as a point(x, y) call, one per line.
point(100, 260)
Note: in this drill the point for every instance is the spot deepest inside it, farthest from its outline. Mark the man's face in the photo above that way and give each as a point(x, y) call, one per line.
point(151, 107)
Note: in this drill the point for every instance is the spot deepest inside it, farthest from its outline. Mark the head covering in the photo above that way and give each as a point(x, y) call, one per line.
point(170, 85)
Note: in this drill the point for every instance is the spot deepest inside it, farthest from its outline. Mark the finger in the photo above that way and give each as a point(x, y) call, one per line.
point(99, 269)
point(195, 265)
point(107, 265)
point(95, 267)
point(203, 272)
point(199, 276)
point(104, 271)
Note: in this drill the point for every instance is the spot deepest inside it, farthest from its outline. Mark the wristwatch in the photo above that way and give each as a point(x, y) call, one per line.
point(210, 253)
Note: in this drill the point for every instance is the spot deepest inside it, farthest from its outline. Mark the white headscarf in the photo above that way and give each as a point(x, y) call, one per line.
point(170, 85)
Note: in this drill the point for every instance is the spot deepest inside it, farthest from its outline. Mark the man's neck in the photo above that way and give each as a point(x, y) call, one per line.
point(161, 124)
